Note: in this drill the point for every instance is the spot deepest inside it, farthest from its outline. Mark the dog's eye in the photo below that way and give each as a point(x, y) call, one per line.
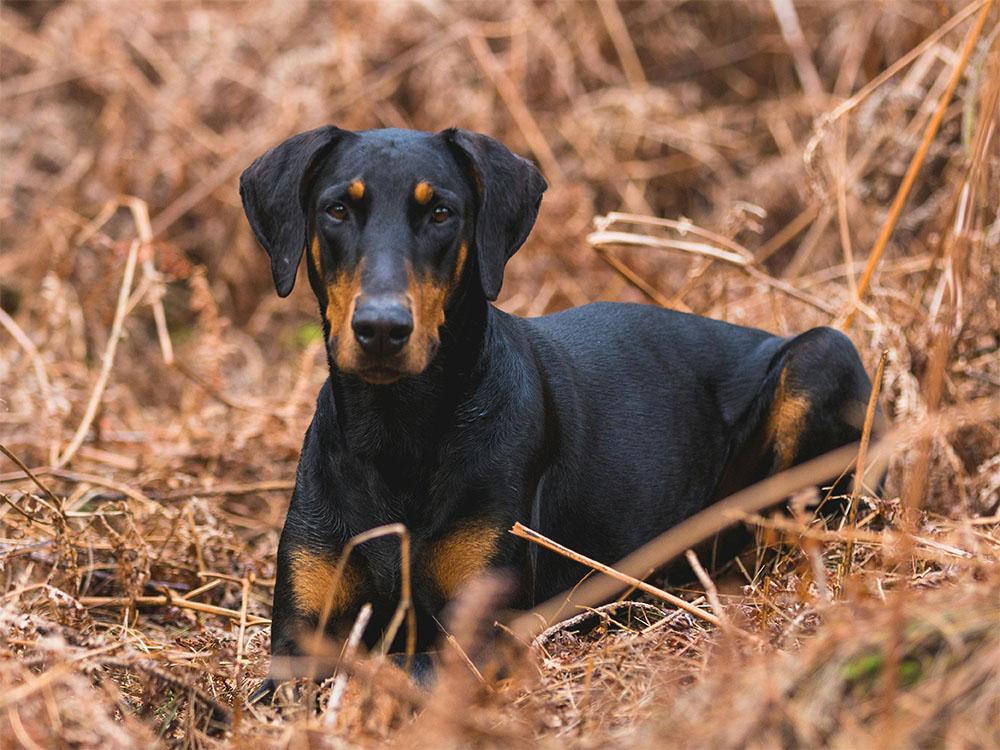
point(338, 212)
point(440, 214)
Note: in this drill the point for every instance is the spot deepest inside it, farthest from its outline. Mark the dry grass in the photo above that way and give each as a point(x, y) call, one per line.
point(159, 390)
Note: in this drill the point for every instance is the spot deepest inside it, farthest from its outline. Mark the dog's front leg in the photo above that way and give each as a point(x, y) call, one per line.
point(315, 595)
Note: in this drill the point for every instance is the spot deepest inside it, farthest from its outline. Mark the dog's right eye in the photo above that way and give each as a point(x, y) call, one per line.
point(337, 212)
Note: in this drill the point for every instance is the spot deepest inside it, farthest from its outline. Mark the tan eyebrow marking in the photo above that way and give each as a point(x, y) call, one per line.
point(423, 192)
point(356, 190)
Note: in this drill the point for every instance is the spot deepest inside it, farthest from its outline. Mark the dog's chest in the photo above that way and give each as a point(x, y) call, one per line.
point(451, 533)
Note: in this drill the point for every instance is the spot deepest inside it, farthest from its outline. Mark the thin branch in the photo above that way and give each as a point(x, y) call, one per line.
point(56, 506)
point(600, 239)
point(622, 41)
point(866, 435)
point(107, 361)
point(710, 590)
point(166, 600)
point(25, 342)
point(535, 537)
point(340, 684)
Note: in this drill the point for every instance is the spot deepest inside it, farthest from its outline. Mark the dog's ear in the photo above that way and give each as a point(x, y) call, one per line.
point(510, 190)
point(274, 189)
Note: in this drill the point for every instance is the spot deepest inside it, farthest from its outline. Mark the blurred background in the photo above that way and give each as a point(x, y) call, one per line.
point(778, 132)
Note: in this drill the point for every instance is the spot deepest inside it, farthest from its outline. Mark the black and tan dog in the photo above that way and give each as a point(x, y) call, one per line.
point(600, 426)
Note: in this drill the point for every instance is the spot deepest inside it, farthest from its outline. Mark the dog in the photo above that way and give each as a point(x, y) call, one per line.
point(600, 426)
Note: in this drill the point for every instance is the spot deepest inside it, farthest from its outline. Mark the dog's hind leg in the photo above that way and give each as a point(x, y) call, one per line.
point(819, 402)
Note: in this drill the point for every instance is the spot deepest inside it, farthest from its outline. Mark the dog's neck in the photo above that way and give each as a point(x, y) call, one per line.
point(404, 421)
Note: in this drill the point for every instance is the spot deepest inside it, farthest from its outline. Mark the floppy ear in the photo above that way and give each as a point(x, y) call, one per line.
point(510, 190)
point(274, 189)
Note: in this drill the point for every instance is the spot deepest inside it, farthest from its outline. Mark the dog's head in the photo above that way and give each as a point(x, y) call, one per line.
point(392, 221)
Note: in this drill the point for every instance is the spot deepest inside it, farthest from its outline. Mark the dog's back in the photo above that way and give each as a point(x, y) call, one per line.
point(650, 404)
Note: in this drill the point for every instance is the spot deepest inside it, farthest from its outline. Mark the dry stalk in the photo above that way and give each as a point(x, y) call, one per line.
point(682, 227)
point(890, 72)
point(519, 111)
point(540, 539)
point(56, 506)
point(18, 509)
point(77, 476)
point(843, 222)
point(622, 41)
point(600, 240)
point(140, 215)
point(340, 684)
point(929, 549)
point(859, 466)
point(168, 600)
point(651, 292)
point(251, 488)
point(241, 634)
point(788, 19)
point(710, 590)
point(896, 209)
point(25, 342)
point(107, 361)
point(608, 237)
point(787, 233)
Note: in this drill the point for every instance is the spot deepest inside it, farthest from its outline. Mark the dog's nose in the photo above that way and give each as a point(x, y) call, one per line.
point(382, 326)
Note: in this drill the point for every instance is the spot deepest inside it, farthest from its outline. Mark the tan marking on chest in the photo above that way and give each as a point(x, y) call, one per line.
point(786, 422)
point(461, 555)
point(315, 582)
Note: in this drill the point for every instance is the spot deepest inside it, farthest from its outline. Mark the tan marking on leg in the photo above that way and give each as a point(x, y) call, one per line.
point(356, 190)
point(314, 583)
point(461, 555)
point(423, 193)
point(786, 422)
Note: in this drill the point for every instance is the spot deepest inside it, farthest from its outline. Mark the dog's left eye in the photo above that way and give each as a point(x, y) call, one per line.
point(338, 211)
point(440, 214)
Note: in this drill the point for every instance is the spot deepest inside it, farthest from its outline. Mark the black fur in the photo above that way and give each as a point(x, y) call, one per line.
point(600, 426)
point(271, 191)
point(510, 192)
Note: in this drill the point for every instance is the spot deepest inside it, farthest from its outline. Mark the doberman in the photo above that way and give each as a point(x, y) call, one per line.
point(600, 426)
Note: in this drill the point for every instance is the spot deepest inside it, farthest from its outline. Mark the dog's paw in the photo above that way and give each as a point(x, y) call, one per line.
point(422, 669)
point(263, 693)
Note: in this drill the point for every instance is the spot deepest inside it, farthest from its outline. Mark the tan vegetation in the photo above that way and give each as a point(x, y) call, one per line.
point(812, 163)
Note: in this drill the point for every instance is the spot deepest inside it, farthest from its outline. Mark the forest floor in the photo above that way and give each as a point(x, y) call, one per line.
point(817, 163)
